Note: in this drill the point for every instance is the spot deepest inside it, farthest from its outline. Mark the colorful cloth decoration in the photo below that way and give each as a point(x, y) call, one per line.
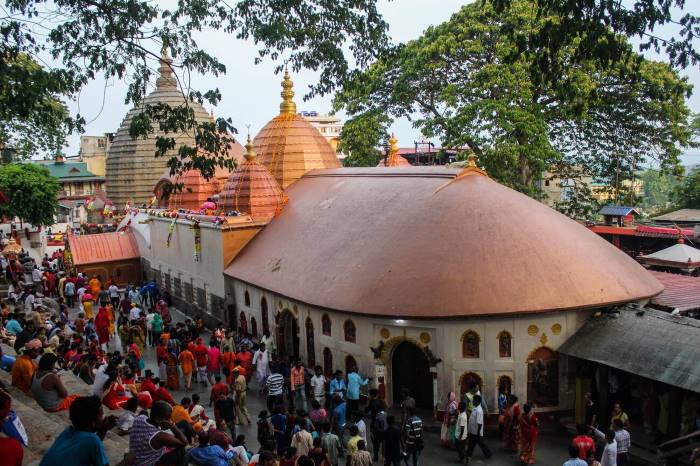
point(197, 232)
point(171, 229)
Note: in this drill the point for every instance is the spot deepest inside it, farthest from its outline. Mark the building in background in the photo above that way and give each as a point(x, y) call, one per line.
point(329, 126)
point(78, 183)
point(93, 151)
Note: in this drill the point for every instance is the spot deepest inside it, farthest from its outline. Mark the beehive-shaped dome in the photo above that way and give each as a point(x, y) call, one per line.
point(252, 189)
point(195, 188)
point(132, 168)
point(289, 146)
point(394, 159)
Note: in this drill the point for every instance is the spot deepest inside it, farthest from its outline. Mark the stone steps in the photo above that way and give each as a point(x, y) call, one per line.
point(43, 427)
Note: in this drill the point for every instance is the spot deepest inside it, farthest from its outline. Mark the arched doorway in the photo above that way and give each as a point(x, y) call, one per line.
point(310, 347)
point(287, 335)
point(410, 369)
point(543, 377)
point(327, 362)
point(243, 325)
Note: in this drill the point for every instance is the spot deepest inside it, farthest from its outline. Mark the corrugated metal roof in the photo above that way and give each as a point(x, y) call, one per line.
point(681, 215)
point(616, 210)
point(680, 291)
point(103, 247)
point(70, 170)
point(653, 344)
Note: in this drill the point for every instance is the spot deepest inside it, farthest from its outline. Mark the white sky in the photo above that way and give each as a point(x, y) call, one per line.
point(251, 92)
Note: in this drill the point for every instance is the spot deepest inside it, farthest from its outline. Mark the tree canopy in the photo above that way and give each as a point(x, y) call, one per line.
point(124, 39)
point(687, 194)
point(459, 83)
point(31, 191)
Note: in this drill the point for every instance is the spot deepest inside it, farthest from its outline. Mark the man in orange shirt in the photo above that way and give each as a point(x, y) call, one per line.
point(186, 363)
point(24, 367)
point(297, 384)
point(228, 359)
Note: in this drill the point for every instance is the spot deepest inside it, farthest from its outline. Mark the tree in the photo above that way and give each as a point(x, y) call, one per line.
point(659, 188)
point(459, 83)
point(588, 28)
point(124, 39)
point(360, 137)
point(31, 192)
point(32, 116)
point(688, 192)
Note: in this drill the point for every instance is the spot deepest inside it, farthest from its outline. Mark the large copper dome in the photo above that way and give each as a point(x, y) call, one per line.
point(132, 169)
point(251, 189)
point(289, 146)
point(425, 242)
point(195, 188)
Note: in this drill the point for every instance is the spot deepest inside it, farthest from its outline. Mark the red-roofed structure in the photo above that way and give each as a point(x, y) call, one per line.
point(681, 292)
point(111, 255)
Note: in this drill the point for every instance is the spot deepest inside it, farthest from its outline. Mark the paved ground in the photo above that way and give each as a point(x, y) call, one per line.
point(551, 451)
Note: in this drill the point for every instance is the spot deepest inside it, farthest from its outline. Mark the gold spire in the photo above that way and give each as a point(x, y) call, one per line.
point(393, 148)
point(471, 161)
point(165, 71)
point(287, 107)
point(250, 154)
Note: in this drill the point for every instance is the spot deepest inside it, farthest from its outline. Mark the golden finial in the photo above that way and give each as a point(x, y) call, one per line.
point(471, 161)
point(287, 107)
point(250, 154)
point(393, 148)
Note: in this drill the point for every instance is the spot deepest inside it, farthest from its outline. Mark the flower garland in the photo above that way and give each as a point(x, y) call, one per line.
point(171, 229)
point(197, 232)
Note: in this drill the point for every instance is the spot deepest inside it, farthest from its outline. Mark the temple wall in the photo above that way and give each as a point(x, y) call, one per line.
point(443, 337)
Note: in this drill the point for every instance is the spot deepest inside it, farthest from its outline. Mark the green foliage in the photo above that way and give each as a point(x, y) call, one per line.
point(361, 137)
point(123, 39)
point(31, 191)
point(33, 118)
point(579, 204)
point(460, 82)
point(688, 192)
point(659, 189)
point(601, 21)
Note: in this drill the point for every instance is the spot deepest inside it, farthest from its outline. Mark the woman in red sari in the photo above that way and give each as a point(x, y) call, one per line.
point(529, 430)
point(511, 424)
point(102, 326)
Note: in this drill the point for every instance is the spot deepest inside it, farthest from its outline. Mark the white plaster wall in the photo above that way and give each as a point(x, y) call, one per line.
point(444, 341)
point(177, 260)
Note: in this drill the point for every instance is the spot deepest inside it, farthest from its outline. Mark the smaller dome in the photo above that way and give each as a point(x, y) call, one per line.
point(252, 189)
point(195, 188)
point(394, 159)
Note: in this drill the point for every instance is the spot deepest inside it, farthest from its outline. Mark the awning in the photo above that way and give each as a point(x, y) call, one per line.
point(642, 341)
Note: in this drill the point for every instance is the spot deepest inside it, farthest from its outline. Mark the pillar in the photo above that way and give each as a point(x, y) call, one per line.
point(604, 407)
point(675, 402)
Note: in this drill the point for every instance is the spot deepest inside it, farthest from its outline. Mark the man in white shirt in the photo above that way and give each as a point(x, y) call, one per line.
point(135, 312)
point(261, 361)
point(475, 428)
point(609, 457)
point(29, 302)
point(114, 296)
point(461, 433)
point(318, 386)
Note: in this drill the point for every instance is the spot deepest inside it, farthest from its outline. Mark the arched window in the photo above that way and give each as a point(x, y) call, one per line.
point(243, 324)
point(246, 298)
point(505, 385)
point(470, 344)
point(326, 325)
point(350, 364)
point(350, 332)
point(327, 361)
point(504, 345)
point(310, 350)
point(468, 381)
point(253, 327)
point(265, 318)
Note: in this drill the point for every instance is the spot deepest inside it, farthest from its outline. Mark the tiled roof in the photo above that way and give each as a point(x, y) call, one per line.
point(616, 210)
point(680, 291)
point(681, 215)
point(103, 247)
point(69, 170)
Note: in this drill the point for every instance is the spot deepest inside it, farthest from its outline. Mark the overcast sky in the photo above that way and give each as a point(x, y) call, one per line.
point(251, 92)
